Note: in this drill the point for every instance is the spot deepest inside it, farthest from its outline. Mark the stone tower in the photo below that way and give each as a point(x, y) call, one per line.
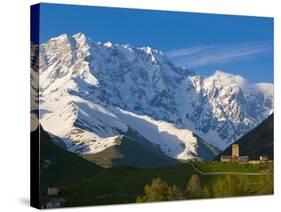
point(235, 151)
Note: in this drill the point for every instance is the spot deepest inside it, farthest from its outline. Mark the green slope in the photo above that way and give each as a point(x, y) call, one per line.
point(258, 141)
point(124, 184)
point(59, 167)
point(132, 150)
point(83, 183)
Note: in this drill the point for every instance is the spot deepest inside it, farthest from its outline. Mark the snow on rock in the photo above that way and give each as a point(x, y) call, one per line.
point(85, 127)
point(176, 143)
point(91, 92)
point(226, 79)
point(223, 107)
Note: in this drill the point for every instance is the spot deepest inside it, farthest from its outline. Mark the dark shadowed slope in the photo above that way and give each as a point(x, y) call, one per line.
point(258, 141)
point(132, 150)
point(58, 166)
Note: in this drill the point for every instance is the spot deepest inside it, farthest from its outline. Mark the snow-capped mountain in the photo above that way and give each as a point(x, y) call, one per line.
point(91, 93)
point(223, 107)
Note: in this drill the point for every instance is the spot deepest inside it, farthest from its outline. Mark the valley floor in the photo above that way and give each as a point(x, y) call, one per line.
point(127, 184)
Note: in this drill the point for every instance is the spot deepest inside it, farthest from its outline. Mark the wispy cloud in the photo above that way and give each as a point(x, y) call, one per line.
point(217, 54)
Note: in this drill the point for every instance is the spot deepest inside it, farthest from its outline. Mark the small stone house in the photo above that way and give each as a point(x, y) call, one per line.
point(254, 161)
point(263, 159)
point(225, 158)
point(53, 191)
point(243, 159)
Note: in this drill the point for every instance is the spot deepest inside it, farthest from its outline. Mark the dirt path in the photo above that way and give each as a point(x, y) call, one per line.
point(227, 173)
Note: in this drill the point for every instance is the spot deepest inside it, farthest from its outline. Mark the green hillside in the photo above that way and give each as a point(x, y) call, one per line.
point(258, 141)
point(132, 150)
point(122, 184)
point(125, 184)
point(59, 167)
point(84, 183)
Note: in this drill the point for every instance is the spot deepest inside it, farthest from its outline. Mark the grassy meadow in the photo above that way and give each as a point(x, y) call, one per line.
point(128, 185)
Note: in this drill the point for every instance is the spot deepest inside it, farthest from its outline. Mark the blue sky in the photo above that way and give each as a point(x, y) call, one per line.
point(202, 42)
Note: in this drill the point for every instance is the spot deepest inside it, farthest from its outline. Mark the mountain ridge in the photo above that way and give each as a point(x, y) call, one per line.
point(80, 77)
point(258, 142)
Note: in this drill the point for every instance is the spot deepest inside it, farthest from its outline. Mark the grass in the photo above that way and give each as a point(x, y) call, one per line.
point(83, 183)
point(233, 167)
point(64, 167)
point(124, 184)
point(120, 184)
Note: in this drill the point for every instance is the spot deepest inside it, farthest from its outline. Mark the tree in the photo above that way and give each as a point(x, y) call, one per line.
point(232, 185)
point(159, 190)
point(206, 193)
point(266, 184)
point(193, 187)
point(174, 193)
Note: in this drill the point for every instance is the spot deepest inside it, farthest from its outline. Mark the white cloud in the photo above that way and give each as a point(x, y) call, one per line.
point(217, 54)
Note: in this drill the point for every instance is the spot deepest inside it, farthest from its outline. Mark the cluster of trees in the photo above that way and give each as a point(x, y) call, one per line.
point(159, 190)
point(222, 186)
point(241, 185)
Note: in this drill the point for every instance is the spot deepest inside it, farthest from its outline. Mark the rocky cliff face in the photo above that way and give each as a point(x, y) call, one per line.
point(91, 92)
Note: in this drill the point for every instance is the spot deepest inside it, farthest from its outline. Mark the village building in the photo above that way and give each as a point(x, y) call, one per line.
point(235, 156)
point(254, 162)
point(235, 152)
point(52, 191)
point(54, 199)
point(243, 159)
point(226, 158)
point(263, 159)
point(54, 203)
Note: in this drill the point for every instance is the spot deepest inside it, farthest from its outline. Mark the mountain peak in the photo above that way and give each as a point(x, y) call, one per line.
point(147, 49)
point(80, 39)
point(79, 35)
point(142, 82)
point(228, 79)
point(108, 44)
point(61, 37)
